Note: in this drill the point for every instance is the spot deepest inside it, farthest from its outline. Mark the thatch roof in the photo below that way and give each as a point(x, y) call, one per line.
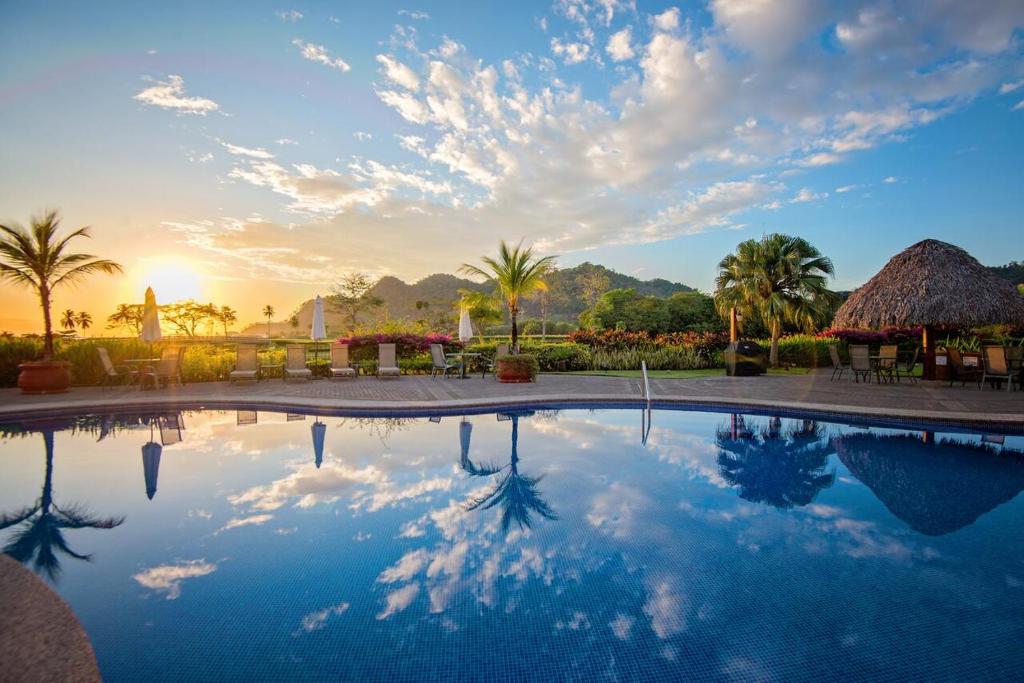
point(932, 283)
point(934, 488)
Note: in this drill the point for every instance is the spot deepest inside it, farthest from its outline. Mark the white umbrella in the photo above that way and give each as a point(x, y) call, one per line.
point(150, 318)
point(318, 330)
point(465, 326)
point(151, 466)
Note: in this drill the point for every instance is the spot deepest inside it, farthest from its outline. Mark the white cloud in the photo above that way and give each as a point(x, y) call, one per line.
point(167, 578)
point(399, 73)
point(319, 54)
point(846, 188)
point(620, 46)
point(667, 20)
point(890, 180)
point(1010, 87)
point(411, 564)
point(251, 520)
point(362, 135)
point(413, 14)
point(571, 53)
point(806, 194)
point(290, 15)
point(170, 94)
point(238, 150)
point(1019, 106)
point(285, 141)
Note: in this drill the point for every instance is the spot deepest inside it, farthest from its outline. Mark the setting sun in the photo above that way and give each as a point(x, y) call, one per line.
point(171, 280)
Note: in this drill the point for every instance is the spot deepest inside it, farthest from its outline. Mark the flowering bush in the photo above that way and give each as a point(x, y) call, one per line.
point(890, 335)
point(364, 346)
point(612, 340)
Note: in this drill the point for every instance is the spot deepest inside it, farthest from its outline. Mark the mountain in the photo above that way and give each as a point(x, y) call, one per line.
point(1012, 271)
point(435, 296)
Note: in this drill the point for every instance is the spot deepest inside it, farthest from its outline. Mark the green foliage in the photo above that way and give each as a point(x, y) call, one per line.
point(693, 312)
point(804, 350)
point(666, 358)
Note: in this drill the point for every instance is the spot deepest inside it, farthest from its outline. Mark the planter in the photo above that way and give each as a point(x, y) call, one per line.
point(44, 377)
point(516, 369)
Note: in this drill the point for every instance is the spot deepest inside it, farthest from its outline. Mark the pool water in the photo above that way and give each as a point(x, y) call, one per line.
point(551, 545)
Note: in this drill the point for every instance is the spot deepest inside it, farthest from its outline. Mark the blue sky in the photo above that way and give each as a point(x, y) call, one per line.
point(252, 152)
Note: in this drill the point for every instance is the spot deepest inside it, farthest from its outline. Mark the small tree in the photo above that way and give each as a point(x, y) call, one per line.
point(592, 283)
point(553, 294)
point(517, 273)
point(268, 313)
point(35, 258)
point(294, 323)
point(352, 294)
point(187, 316)
point(227, 317)
point(126, 315)
point(67, 320)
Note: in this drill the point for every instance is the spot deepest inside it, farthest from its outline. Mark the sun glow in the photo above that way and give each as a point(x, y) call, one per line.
point(171, 280)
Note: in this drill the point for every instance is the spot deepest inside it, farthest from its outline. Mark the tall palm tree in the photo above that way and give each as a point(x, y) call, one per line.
point(67, 320)
point(781, 468)
point(126, 315)
point(36, 257)
point(268, 313)
point(41, 538)
point(227, 317)
point(778, 278)
point(516, 493)
point(84, 320)
point(517, 273)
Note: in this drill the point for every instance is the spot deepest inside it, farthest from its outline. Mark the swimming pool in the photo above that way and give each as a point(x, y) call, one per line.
point(531, 544)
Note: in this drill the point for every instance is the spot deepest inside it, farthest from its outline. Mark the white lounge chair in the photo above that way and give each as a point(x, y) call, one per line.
point(295, 363)
point(339, 361)
point(245, 363)
point(387, 363)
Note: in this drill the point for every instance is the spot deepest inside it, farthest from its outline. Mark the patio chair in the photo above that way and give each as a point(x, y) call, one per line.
point(838, 366)
point(295, 363)
point(167, 369)
point(245, 363)
point(860, 363)
point(886, 365)
point(114, 374)
point(387, 363)
point(909, 367)
point(958, 372)
point(1015, 359)
point(441, 364)
point(492, 365)
point(339, 361)
point(996, 368)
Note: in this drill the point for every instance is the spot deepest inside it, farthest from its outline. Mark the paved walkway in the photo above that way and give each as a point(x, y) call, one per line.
point(798, 393)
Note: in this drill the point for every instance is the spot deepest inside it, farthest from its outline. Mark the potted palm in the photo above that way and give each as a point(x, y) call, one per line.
point(37, 257)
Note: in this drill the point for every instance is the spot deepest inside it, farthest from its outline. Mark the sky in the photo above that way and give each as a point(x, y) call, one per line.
point(250, 153)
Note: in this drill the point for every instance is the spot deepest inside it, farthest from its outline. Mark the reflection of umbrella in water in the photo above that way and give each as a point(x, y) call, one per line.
point(319, 431)
point(781, 468)
point(151, 466)
point(41, 536)
point(935, 488)
point(516, 493)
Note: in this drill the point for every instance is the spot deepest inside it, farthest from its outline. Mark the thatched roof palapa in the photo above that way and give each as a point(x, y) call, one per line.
point(932, 283)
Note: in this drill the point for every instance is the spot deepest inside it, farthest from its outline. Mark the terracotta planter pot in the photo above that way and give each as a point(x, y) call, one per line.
point(513, 373)
point(44, 377)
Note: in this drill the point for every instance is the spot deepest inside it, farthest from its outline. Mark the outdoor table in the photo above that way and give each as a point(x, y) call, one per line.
point(275, 368)
point(463, 355)
point(142, 364)
point(876, 363)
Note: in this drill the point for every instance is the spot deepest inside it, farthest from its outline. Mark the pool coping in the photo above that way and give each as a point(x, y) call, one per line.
point(1009, 422)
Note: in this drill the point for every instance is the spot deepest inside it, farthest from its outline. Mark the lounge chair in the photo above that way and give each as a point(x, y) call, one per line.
point(838, 366)
point(115, 374)
point(245, 364)
point(295, 363)
point(339, 361)
point(492, 365)
point(387, 363)
point(167, 369)
point(959, 372)
point(887, 360)
point(996, 368)
point(909, 367)
point(441, 363)
point(860, 363)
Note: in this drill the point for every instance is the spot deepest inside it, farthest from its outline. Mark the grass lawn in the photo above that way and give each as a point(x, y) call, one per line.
point(677, 374)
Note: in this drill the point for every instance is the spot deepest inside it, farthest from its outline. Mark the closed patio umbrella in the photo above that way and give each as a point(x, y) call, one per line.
point(465, 326)
point(319, 431)
point(150, 318)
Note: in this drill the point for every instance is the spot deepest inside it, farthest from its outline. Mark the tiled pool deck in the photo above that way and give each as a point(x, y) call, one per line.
point(812, 393)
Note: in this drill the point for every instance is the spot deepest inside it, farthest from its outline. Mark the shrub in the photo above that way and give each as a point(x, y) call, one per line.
point(803, 350)
point(667, 358)
point(560, 357)
point(363, 347)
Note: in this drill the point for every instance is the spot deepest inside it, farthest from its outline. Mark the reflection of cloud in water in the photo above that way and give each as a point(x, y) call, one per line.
point(622, 625)
point(665, 607)
point(398, 600)
point(314, 621)
point(167, 578)
point(406, 568)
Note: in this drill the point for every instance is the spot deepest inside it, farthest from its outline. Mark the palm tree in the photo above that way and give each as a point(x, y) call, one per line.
point(517, 494)
point(36, 258)
point(41, 539)
point(67, 320)
point(783, 469)
point(517, 274)
point(268, 313)
point(84, 320)
point(778, 278)
point(126, 315)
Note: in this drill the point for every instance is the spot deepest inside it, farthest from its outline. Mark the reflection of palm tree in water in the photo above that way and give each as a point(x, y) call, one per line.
point(42, 536)
point(516, 493)
point(783, 469)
